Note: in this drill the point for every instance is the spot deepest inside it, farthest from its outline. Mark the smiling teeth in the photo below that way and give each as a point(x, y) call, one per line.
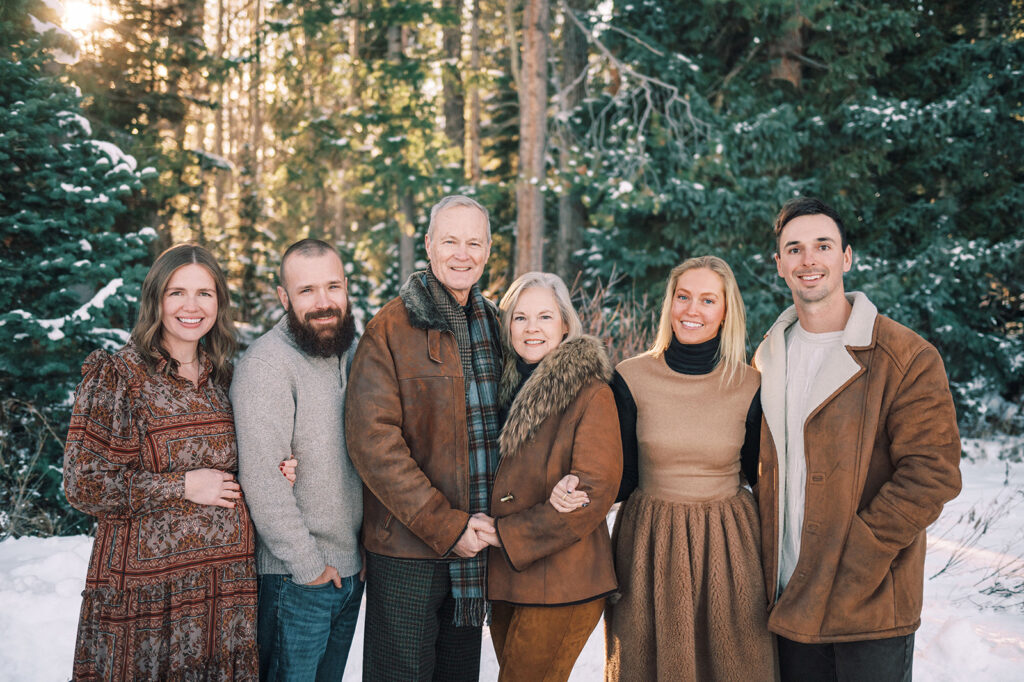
point(190, 320)
point(533, 342)
point(692, 325)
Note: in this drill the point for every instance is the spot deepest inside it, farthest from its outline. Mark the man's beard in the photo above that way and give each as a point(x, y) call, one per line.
point(322, 342)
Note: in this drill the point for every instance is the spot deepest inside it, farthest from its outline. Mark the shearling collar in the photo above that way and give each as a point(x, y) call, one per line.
point(858, 331)
point(423, 312)
point(837, 369)
point(552, 386)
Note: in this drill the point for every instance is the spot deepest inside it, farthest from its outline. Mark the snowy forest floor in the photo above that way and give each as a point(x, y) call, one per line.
point(972, 627)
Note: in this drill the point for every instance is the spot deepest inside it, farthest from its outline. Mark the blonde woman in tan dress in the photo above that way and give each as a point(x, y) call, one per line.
point(686, 541)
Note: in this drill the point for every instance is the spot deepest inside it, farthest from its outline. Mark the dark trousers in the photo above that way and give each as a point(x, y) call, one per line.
point(876, 660)
point(303, 631)
point(409, 635)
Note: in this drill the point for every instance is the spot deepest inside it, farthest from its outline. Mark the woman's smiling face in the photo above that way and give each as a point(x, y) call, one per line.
point(536, 326)
point(698, 306)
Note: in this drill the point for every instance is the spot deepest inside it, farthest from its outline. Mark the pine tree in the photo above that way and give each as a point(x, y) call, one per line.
point(904, 115)
point(70, 266)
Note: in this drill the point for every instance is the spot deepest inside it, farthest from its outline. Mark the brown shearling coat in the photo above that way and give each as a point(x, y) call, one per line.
point(405, 425)
point(883, 455)
point(562, 421)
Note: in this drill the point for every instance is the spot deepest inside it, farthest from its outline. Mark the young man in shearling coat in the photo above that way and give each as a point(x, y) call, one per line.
point(859, 452)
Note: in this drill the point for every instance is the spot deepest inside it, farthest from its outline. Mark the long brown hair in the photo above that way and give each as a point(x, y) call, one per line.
point(219, 343)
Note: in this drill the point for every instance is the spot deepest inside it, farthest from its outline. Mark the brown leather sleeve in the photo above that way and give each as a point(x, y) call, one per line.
point(540, 531)
point(924, 448)
point(379, 452)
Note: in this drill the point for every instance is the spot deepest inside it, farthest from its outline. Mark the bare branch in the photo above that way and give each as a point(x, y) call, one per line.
point(642, 99)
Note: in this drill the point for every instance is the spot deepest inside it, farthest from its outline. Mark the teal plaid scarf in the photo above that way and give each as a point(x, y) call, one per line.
point(476, 334)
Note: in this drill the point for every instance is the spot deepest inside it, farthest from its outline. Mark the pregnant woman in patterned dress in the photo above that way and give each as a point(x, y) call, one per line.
point(171, 588)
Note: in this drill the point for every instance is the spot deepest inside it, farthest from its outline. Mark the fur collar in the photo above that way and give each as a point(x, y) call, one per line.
point(552, 386)
point(423, 312)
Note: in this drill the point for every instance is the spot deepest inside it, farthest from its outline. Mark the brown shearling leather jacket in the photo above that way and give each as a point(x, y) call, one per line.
point(405, 425)
point(883, 455)
point(563, 421)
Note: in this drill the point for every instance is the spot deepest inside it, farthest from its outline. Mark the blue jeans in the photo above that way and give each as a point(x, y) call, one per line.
point(304, 631)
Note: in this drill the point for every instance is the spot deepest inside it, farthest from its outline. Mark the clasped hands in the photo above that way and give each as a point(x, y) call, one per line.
point(481, 531)
point(479, 534)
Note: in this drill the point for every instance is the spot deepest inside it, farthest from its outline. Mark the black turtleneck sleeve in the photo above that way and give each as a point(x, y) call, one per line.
point(752, 441)
point(626, 407)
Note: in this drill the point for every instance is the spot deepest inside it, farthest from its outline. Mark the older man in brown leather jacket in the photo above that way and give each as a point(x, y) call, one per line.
point(422, 424)
point(859, 452)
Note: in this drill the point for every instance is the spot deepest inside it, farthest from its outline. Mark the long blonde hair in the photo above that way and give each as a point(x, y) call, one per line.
point(732, 351)
point(219, 342)
point(544, 280)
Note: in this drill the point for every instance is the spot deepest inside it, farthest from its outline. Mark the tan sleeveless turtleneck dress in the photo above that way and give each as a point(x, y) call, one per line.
point(687, 540)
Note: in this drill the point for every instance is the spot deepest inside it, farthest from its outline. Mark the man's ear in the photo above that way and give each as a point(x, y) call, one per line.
point(778, 263)
point(282, 296)
point(847, 258)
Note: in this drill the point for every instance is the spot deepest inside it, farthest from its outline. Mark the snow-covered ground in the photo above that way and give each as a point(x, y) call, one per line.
point(972, 629)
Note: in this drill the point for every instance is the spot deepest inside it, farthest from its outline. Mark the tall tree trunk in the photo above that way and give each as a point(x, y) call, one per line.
point(256, 97)
point(220, 99)
point(533, 98)
point(341, 222)
point(573, 84)
point(406, 219)
point(472, 164)
point(407, 238)
point(451, 78)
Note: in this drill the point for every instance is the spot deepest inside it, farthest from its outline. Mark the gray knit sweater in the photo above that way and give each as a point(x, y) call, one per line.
point(288, 402)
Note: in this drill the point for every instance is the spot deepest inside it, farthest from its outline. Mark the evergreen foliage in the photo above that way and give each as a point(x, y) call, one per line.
point(906, 116)
point(69, 270)
point(262, 123)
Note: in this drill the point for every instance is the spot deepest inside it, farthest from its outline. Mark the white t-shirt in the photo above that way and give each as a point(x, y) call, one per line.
point(805, 354)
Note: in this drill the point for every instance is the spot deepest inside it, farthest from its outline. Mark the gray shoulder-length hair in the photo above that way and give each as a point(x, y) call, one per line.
point(545, 280)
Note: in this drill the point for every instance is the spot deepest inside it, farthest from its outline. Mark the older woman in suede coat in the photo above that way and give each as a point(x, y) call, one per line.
point(549, 573)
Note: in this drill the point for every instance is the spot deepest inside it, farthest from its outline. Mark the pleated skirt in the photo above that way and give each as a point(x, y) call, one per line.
point(693, 604)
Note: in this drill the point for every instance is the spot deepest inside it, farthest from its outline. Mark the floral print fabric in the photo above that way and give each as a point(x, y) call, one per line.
point(171, 588)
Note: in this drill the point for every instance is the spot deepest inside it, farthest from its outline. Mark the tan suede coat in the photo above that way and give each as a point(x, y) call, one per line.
point(405, 425)
point(562, 421)
point(883, 456)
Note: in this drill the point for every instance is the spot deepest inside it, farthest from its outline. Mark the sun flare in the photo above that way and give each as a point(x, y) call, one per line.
point(81, 16)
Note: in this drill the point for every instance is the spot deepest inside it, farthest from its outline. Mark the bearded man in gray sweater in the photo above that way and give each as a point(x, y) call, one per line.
point(288, 395)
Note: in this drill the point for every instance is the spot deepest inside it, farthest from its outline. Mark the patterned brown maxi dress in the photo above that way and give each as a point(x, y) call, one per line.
point(171, 588)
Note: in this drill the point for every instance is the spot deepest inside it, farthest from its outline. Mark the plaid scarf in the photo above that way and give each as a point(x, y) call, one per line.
point(479, 350)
